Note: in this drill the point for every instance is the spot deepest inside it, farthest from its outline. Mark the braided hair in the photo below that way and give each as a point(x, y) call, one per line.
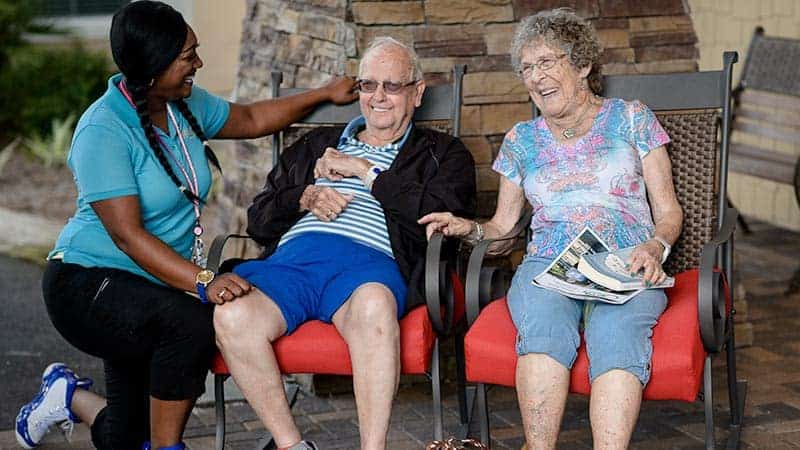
point(146, 37)
point(187, 113)
point(139, 94)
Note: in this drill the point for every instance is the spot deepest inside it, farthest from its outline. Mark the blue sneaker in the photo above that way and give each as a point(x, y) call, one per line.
point(50, 406)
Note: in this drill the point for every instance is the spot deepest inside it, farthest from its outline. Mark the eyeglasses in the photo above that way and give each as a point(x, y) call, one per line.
point(544, 64)
point(390, 87)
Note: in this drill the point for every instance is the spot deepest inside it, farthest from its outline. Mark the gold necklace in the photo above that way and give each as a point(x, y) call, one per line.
point(571, 131)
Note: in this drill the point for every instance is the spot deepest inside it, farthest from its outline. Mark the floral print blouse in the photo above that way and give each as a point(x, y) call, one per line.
point(596, 181)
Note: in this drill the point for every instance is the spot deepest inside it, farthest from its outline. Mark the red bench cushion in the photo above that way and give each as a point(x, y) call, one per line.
point(678, 353)
point(316, 347)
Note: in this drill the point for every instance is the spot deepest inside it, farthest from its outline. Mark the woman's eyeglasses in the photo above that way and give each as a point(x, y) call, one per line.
point(390, 87)
point(544, 64)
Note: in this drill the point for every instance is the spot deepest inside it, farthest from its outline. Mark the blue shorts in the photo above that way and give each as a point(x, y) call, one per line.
point(312, 276)
point(617, 336)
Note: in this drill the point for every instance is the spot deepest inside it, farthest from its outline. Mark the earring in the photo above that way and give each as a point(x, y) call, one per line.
point(152, 82)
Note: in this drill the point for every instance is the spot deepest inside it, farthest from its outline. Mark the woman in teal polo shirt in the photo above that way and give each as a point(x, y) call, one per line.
point(119, 279)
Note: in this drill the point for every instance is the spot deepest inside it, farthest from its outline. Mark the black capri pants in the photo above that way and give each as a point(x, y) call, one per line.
point(154, 341)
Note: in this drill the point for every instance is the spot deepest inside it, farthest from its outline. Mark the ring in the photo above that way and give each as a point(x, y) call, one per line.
point(221, 293)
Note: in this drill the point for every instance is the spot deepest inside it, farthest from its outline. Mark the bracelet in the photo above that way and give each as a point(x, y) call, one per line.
point(665, 245)
point(477, 235)
point(479, 229)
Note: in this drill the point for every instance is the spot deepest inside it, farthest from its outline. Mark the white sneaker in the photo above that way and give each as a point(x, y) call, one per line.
point(50, 406)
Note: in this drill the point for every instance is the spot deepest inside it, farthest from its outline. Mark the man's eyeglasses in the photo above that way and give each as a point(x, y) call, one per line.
point(390, 87)
point(544, 64)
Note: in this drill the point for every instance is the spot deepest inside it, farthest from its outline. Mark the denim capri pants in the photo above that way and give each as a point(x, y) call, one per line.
point(617, 336)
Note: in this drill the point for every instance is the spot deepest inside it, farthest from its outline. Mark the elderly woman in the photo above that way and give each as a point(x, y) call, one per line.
point(586, 160)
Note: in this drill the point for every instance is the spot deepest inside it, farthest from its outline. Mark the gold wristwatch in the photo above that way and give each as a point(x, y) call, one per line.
point(202, 280)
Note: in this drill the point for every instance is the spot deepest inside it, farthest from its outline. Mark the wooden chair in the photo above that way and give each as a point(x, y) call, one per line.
point(316, 347)
point(766, 112)
point(698, 322)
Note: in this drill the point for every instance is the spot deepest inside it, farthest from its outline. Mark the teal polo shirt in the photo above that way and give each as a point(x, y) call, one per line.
point(111, 157)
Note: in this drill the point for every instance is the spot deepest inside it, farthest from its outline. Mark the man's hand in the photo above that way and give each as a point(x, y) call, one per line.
point(335, 165)
point(341, 90)
point(324, 202)
point(447, 224)
point(226, 287)
point(647, 256)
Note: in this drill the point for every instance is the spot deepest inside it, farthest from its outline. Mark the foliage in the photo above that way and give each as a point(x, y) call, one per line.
point(52, 149)
point(42, 84)
point(16, 18)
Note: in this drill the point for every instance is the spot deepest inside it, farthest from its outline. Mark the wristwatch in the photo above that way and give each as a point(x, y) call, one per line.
point(372, 173)
point(202, 280)
point(665, 244)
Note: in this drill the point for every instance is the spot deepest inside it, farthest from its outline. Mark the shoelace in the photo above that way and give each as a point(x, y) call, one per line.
point(67, 427)
point(41, 422)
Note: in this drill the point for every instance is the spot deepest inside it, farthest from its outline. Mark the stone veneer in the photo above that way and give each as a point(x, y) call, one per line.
point(310, 39)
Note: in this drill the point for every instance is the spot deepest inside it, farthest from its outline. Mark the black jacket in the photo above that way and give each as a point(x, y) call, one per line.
point(432, 172)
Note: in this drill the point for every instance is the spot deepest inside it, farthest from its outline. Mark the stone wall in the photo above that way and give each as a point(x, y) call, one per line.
point(310, 39)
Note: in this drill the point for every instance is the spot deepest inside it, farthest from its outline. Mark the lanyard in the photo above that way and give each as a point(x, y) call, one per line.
point(189, 175)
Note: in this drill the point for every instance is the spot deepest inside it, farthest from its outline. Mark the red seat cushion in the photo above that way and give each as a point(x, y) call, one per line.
point(316, 347)
point(459, 302)
point(678, 353)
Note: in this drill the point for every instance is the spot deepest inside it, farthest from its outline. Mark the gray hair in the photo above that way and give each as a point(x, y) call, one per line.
point(385, 41)
point(560, 28)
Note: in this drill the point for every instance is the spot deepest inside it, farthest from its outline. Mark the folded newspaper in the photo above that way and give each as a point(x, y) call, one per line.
point(564, 276)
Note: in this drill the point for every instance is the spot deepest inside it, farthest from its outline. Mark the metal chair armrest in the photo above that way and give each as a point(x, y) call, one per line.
point(215, 253)
point(711, 284)
point(438, 285)
point(483, 283)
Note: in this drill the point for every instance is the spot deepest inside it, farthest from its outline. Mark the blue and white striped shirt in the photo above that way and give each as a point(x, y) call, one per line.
point(362, 219)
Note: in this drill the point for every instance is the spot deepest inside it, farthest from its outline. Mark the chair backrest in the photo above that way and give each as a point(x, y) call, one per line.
point(693, 108)
point(765, 132)
point(439, 103)
point(768, 66)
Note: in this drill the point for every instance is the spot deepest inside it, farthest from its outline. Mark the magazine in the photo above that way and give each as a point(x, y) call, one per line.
point(563, 276)
point(611, 270)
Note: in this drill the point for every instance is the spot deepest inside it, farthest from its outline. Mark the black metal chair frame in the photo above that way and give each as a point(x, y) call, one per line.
point(439, 103)
point(664, 92)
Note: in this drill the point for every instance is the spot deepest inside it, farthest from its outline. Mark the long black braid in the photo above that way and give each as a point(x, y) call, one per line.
point(139, 94)
point(187, 113)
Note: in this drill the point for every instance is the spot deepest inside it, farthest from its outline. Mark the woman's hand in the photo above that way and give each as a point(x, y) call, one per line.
point(227, 287)
point(447, 224)
point(335, 165)
point(647, 256)
point(324, 202)
point(341, 90)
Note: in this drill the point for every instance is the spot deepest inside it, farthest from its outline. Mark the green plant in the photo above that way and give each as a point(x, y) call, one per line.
point(51, 149)
point(41, 84)
point(17, 18)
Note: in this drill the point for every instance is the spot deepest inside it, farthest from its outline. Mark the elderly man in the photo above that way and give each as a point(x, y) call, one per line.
point(339, 217)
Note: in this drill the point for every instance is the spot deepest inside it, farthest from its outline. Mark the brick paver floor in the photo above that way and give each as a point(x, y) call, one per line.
point(767, 260)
